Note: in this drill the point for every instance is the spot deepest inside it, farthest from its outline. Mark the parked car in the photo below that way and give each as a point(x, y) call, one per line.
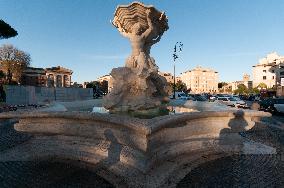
point(222, 95)
point(232, 101)
point(224, 100)
point(211, 98)
point(239, 103)
point(271, 104)
point(279, 108)
point(180, 95)
point(198, 97)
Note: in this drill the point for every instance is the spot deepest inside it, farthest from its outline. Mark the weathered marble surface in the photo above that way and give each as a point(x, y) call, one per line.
point(142, 152)
point(138, 86)
point(132, 92)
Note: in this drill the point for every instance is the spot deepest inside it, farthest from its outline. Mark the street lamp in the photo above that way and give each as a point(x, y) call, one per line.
point(177, 49)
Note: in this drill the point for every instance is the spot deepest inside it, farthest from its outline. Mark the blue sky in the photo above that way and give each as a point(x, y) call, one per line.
point(226, 35)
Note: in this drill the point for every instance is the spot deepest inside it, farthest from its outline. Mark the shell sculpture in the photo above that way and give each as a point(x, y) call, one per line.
point(127, 15)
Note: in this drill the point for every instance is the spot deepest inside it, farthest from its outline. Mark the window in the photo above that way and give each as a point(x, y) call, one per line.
point(263, 70)
point(273, 71)
point(264, 77)
point(272, 77)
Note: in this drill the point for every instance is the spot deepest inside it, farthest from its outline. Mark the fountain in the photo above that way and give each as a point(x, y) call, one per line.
point(138, 86)
point(127, 151)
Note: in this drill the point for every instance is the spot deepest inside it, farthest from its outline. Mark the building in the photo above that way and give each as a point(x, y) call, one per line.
point(226, 89)
point(34, 77)
point(49, 77)
point(246, 81)
point(269, 70)
point(107, 78)
point(169, 77)
point(201, 80)
point(58, 77)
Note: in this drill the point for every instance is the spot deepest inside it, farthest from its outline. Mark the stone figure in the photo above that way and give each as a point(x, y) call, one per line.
point(141, 41)
point(138, 86)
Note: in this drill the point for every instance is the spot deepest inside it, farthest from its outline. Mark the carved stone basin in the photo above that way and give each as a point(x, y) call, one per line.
point(133, 152)
point(128, 15)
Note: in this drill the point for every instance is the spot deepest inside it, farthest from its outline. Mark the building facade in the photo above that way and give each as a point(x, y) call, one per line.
point(58, 77)
point(169, 77)
point(269, 70)
point(34, 77)
point(201, 80)
point(107, 78)
point(49, 77)
point(246, 81)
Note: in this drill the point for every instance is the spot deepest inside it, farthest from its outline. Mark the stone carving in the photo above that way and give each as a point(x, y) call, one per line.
point(141, 152)
point(138, 86)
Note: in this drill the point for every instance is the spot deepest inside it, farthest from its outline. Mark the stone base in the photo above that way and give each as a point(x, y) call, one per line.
point(136, 91)
point(145, 114)
point(156, 152)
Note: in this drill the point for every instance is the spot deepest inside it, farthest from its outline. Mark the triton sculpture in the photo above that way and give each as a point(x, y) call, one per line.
point(138, 86)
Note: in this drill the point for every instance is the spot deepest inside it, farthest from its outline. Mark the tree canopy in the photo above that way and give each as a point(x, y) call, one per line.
point(242, 89)
point(180, 86)
point(6, 31)
point(222, 84)
point(13, 62)
point(262, 85)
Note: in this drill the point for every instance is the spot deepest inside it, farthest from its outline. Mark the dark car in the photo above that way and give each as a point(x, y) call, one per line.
point(268, 104)
point(198, 97)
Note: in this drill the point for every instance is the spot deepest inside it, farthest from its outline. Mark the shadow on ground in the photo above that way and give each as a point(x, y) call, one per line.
point(237, 171)
point(9, 137)
point(47, 174)
point(243, 170)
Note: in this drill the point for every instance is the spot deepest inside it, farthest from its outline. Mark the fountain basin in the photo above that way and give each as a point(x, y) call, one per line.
point(129, 147)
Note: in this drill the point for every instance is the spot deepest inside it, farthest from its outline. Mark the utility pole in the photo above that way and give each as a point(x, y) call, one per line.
point(177, 49)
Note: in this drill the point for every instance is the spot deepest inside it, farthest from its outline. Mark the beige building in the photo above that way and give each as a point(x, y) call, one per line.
point(169, 77)
point(201, 80)
point(269, 70)
point(246, 81)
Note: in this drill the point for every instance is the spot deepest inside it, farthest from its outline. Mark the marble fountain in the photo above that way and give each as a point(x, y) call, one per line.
point(128, 151)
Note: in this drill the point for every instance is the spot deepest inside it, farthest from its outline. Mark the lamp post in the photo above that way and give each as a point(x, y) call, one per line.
point(177, 49)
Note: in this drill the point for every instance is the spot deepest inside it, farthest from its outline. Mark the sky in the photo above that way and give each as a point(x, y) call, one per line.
point(229, 36)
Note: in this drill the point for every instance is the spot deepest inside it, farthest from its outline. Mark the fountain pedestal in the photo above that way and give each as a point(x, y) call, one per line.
point(132, 92)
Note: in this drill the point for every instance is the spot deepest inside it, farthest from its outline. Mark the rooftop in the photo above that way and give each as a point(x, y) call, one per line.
point(199, 68)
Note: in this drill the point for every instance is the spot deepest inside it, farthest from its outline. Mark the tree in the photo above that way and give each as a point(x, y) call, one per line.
point(242, 89)
point(91, 85)
point(104, 86)
point(262, 85)
point(13, 62)
point(228, 89)
point(222, 84)
point(180, 86)
point(254, 90)
point(6, 31)
point(2, 75)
